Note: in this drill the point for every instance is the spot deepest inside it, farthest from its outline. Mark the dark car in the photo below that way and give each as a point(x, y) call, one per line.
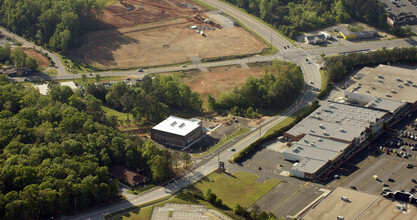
point(391, 179)
point(410, 166)
point(353, 187)
point(259, 168)
point(413, 180)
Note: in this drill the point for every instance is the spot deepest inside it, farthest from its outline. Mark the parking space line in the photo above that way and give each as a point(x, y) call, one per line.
point(282, 203)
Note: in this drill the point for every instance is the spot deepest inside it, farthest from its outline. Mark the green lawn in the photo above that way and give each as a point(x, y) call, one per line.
point(109, 2)
point(120, 115)
point(280, 125)
point(237, 133)
point(91, 79)
point(237, 188)
point(52, 72)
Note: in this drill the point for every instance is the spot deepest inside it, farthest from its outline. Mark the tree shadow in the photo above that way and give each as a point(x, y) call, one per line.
point(98, 47)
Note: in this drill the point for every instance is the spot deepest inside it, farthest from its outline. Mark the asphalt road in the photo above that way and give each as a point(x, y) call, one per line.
point(60, 67)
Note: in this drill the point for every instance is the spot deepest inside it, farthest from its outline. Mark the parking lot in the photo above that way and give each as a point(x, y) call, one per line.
point(359, 171)
point(292, 194)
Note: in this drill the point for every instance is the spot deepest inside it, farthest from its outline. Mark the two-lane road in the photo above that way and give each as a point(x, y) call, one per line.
point(60, 67)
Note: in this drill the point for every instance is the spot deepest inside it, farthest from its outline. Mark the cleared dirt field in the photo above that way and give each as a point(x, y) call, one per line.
point(158, 33)
point(43, 62)
point(221, 79)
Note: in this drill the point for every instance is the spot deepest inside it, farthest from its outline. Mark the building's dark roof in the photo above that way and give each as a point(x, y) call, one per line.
point(128, 176)
point(402, 196)
point(310, 37)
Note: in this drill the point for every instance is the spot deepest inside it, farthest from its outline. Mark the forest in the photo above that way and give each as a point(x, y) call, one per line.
point(277, 88)
point(57, 24)
point(151, 100)
point(294, 16)
point(55, 152)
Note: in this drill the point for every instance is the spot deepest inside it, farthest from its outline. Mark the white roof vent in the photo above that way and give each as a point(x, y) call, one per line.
point(320, 139)
point(387, 95)
point(321, 126)
point(373, 87)
point(345, 198)
point(312, 130)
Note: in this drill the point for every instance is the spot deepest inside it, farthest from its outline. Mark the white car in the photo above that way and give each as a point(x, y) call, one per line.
point(140, 70)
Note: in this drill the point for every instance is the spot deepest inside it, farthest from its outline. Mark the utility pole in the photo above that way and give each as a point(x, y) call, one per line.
point(260, 130)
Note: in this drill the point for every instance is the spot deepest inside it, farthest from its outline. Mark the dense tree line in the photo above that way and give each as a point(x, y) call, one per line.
point(339, 66)
point(17, 57)
point(55, 152)
point(278, 87)
point(151, 100)
point(291, 17)
point(56, 23)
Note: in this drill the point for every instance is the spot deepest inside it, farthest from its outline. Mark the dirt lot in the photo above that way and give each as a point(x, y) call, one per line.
point(221, 79)
point(158, 33)
point(43, 62)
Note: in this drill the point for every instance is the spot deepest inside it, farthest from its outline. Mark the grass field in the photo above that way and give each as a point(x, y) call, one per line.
point(52, 72)
point(228, 187)
point(93, 80)
point(239, 188)
point(239, 132)
point(280, 125)
point(120, 115)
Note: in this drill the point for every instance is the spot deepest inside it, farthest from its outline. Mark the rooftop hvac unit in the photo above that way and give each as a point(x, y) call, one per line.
point(400, 207)
point(373, 87)
point(345, 198)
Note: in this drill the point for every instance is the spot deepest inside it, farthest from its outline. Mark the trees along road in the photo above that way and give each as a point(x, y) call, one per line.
point(209, 164)
point(60, 67)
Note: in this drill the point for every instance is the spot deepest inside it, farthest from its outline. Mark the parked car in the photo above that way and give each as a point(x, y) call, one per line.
point(391, 179)
point(385, 185)
point(409, 166)
point(140, 70)
point(353, 187)
point(386, 189)
point(414, 181)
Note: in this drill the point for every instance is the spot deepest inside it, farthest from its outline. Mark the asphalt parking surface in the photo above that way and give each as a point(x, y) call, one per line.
point(292, 194)
point(359, 170)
